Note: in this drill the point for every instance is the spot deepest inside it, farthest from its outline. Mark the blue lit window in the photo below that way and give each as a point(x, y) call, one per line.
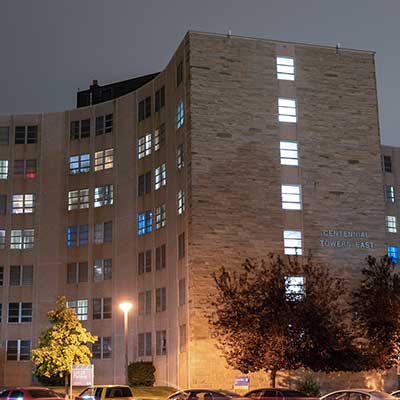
point(149, 221)
point(72, 236)
point(393, 253)
point(180, 115)
point(141, 224)
point(145, 223)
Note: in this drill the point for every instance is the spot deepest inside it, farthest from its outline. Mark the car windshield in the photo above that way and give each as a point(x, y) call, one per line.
point(42, 393)
point(293, 393)
point(88, 392)
point(381, 395)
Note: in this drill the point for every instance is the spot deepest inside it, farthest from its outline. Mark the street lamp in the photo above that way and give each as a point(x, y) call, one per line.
point(125, 307)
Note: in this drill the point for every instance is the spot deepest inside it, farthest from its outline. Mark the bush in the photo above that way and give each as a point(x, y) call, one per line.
point(53, 381)
point(141, 373)
point(309, 386)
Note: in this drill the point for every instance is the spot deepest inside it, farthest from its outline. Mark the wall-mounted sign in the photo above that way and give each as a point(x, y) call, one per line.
point(346, 239)
point(241, 383)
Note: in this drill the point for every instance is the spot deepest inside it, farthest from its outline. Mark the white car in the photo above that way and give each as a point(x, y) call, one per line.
point(357, 394)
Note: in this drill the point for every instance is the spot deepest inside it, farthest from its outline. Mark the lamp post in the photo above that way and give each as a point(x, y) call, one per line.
point(125, 307)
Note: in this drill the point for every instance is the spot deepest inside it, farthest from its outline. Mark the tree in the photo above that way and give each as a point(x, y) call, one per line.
point(63, 344)
point(263, 322)
point(376, 312)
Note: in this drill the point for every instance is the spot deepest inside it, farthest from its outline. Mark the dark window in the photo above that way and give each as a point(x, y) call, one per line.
point(144, 184)
point(4, 134)
point(26, 134)
point(161, 343)
point(104, 124)
point(75, 128)
point(80, 129)
point(102, 308)
point(21, 275)
point(387, 163)
point(160, 99)
point(141, 263)
point(161, 257)
point(19, 312)
point(161, 299)
point(77, 272)
point(144, 109)
point(108, 232)
point(148, 261)
point(181, 245)
point(1, 276)
point(144, 344)
point(179, 73)
point(182, 291)
point(3, 203)
point(118, 391)
point(42, 393)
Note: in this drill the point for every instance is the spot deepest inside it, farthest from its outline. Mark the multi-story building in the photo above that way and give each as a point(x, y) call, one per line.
point(238, 148)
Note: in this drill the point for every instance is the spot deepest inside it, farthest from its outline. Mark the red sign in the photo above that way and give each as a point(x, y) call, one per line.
point(82, 375)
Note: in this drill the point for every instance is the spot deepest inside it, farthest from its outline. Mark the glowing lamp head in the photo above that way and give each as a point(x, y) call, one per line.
point(125, 307)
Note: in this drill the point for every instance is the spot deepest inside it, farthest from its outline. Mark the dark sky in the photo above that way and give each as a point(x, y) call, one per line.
point(50, 48)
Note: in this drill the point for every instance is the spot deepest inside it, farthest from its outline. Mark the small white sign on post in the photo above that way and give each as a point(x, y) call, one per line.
point(82, 375)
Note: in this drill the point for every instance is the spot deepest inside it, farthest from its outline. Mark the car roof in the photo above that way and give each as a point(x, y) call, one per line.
point(107, 386)
point(359, 390)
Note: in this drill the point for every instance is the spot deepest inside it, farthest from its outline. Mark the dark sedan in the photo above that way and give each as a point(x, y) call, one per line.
point(276, 394)
point(203, 394)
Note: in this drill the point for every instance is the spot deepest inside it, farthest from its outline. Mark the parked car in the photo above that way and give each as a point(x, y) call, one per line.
point(28, 393)
point(396, 393)
point(278, 394)
point(357, 394)
point(101, 392)
point(203, 394)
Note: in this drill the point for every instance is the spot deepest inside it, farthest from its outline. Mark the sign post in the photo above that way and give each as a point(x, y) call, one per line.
point(241, 383)
point(81, 375)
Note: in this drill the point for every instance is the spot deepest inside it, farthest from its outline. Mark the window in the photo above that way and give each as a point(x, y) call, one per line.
point(21, 275)
point(144, 109)
point(145, 222)
point(294, 286)
point(102, 348)
point(289, 153)
point(180, 114)
point(160, 176)
point(23, 203)
point(1, 319)
point(80, 307)
point(1, 276)
point(2, 239)
point(79, 164)
point(3, 169)
point(287, 110)
point(78, 235)
point(161, 343)
point(144, 302)
point(391, 224)
point(3, 204)
point(179, 157)
point(182, 338)
point(18, 350)
point(80, 129)
point(4, 134)
point(292, 242)
point(19, 312)
point(182, 291)
point(26, 134)
point(159, 99)
point(144, 146)
point(159, 137)
point(144, 262)
point(161, 257)
point(387, 163)
point(161, 216)
point(181, 245)
point(103, 233)
point(102, 308)
point(104, 124)
point(25, 168)
point(77, 272)
point(22, 239)
point(103, 159)
point(144, 184)
point(102, 270)
point(393, 253)
point(291, 197)
point(144, 344)
point(179, 74)
point(181, 202)
point(285, 68)
point(389, 194)
point(161, 299)
point(103, 196)
point(78, 199)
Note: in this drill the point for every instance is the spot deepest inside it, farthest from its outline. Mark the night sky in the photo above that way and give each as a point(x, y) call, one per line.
point(50, 48)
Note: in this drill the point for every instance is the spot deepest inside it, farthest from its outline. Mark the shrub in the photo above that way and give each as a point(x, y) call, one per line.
point(141, 373)
point(309, 385)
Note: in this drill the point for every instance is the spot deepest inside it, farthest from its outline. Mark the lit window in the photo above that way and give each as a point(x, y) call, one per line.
point(295, 289)
point(78, 199)
point(291, 197)
point(25, 168)
point(160, 176)
point(79, 164)
point(3, 169)
point(19, 312)
point(23, 203)
point(144, 146)
point(292, 242)
point(181, 202)
point(179, 157)
point(18, 350)
point(387, 163)
point(393, 253)
point(180, 114)
point(2, 239)
point(78, 235)
point(22, 239)
point(104, 124)
point(103, 196)
point(161, 216)
point(102, 348)
point(145, 222)
point(159, 137)
point(391, 224)
point(389, 194)
point(102, 270)
point(102, 308)
point(103, 233)
point(144, 344)
point(285, 68)
point(161, 343)
point(287, 110)
point(80, 307)
point(289, 153)
point(103, 159)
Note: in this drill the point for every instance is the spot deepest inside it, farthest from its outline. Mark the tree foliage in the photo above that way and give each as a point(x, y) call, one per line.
point(376, 312)
point(63, 344)
point(260, 325)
